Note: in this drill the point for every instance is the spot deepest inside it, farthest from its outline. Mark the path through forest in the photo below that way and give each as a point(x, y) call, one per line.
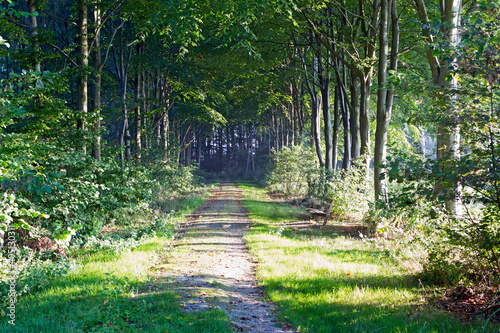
point(211, 267)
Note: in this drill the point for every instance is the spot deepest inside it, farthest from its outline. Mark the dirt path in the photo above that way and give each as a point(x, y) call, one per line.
point(211, 267)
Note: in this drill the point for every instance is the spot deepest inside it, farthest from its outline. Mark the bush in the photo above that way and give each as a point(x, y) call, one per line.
point(289, 171)
point(34, 272)
point(351, 191)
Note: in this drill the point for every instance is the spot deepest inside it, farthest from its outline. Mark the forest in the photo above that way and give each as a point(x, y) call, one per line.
point(361, 140)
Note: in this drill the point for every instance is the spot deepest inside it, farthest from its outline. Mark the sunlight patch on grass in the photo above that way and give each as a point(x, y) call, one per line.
point(330, 283)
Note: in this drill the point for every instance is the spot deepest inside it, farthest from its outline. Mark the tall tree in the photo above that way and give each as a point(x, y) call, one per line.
point(444, 78)
point(83, 67)
point(388, 17)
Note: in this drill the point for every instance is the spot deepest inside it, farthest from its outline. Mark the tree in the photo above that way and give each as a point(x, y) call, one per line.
point(443, 65)
point(388, 17)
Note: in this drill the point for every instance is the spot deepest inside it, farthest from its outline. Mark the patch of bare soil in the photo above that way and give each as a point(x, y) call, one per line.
point(210, 266)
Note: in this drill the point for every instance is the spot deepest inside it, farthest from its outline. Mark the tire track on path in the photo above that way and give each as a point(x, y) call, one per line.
point(210, 266)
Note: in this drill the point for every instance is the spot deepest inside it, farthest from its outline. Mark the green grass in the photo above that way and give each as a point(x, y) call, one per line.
point(328, 283)
point(112, 293)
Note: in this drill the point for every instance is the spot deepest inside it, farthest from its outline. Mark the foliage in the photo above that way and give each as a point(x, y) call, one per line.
point(289, 170)
point(460, 247)
point(349, 189)
point(35, 272)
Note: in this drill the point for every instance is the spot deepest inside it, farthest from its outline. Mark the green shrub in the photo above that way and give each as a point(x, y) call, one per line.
point(349, 189)
point(34, 272)
point(289, 171)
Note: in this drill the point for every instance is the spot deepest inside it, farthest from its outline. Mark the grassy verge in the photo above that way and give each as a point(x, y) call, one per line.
point(112, 292)
point(333, 283)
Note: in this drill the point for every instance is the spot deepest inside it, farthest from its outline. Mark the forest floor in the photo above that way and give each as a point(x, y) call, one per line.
point(210, 266)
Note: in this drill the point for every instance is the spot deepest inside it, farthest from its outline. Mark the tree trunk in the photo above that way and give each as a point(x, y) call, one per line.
point(450, 130)
point(250, 152)
point(121, 68)
point(448, 139)
point(83, 64)
point(198, 146)
point(383, 111)
point(145, 96)
point(96, 92)
point(137, 109)
point(327, 119)
point(33, 33)
point(353, 117)
point(336, 125)
point(346, 161)
point(364, 116)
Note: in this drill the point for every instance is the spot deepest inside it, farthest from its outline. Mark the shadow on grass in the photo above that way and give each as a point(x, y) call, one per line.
point(89, 304)
point(328, 316)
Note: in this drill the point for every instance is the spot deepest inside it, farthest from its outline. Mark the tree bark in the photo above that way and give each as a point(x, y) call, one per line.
point(96, 92)
point(336, 125)
point(383, 111)
point(137, 111)
point(33, 24)
point(354, 114)
point(327, 118)
point(84, 62)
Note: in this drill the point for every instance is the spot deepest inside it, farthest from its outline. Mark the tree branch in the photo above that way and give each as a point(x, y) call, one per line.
point(64, 53)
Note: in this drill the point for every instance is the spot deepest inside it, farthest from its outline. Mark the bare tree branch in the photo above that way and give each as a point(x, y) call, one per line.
point(64, 53)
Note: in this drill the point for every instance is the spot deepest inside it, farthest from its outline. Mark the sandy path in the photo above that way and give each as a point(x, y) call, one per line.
point(211, 267)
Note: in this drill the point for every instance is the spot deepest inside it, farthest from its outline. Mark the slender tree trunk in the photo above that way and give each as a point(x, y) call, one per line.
point(327, 120)
point(354, 116)
point(364, 116)
point(122, 72)
point(198, 146)
point(346, 161)
point(295, 106)
point(366, 82)
point(144, 93)
point(188, 145)
point(336, 124)
point(96, 92)
point(84, 62)
point(383, 111)
point(220, 147)
point(137, 112)
point(164, 131)
point(250, 152)
point(33, 33)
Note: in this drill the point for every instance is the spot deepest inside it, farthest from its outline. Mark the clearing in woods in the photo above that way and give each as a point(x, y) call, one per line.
point(211, 267)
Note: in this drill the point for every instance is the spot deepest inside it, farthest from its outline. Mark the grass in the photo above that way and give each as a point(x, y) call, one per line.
point(113, 293)
point(328, 283)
